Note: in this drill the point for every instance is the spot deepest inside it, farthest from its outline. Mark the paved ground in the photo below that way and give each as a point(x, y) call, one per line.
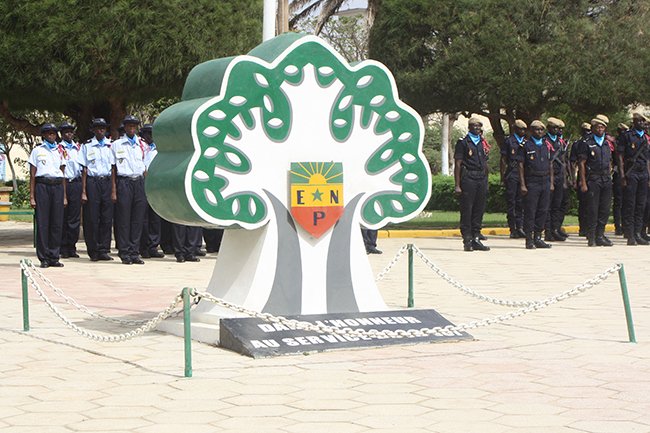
point(567, 368)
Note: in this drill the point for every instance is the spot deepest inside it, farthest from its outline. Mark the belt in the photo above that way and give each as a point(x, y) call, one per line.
point(99, 177)
point(49, 180)
point(132, 178)
point(76, 179)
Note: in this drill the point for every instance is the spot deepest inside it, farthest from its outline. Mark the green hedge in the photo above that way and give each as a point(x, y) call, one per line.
point(443, 197)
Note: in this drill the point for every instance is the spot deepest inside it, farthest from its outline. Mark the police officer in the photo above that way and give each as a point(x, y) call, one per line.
point(559, 194)
point(633, 166)
point(617, 187)
point(151, 228)
point(595, 165)
point(187, 241)
point(128, 191)
point(573, 161)
point(47, 195)
point(72, 212)
point(97, 161)
point(537, 181)
point(470, 175)
point(509, 168)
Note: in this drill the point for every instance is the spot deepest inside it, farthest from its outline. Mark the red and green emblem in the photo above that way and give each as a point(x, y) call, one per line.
point(316, 195)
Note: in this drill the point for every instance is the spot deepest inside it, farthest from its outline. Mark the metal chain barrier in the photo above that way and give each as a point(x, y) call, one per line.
point(510, 303)
point(72, 302)
point(392, 263)
point(146, 327)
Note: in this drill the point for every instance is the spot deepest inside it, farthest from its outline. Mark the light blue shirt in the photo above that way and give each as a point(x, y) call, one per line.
point(48, 162)
point(150, 154)
point(96, 157)
point(72, 166)
point(537, 141)
point(599, 140)
point(129, 156)
point(475, 138)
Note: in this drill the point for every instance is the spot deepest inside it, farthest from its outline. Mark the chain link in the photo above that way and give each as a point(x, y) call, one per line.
point(72, 302)
point(392, 263)
point(146, 327)
point(512, 303)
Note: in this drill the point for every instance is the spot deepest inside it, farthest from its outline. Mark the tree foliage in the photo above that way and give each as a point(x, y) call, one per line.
point(509, 59)
point(87, 58)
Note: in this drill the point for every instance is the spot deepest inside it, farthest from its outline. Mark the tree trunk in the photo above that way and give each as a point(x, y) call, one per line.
point(14, 181)
point(282, 17)
point(117, 108)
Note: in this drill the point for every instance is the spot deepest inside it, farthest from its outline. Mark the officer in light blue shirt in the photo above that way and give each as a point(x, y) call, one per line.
point(128, 191)
point(97, 160)
point(152, 226)
point(72, 212)
point(47, 196)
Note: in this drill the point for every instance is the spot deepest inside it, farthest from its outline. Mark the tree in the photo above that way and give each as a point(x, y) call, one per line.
point(508, 59)
point(90, 59)
point(303, 10)
point(277, 109)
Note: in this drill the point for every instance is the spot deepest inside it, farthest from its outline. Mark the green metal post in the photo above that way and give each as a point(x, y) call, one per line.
point(626, 303)
point(410, 302)
point(23, 279)
point(187, 331)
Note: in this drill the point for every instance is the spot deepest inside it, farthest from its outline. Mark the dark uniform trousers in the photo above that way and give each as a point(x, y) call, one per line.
point(634, 201)
point(514, 202)
point(187, 240)
point(151, 229)
point(71, 217)
point(49, 220)
point(557, 200)
point(472, 203)
point(98, 215)
point(212, 239)
point(617, 202)
point(536, 202)
point(599, 200)
point(166, 236)
point(130, 209)
point(369, 238)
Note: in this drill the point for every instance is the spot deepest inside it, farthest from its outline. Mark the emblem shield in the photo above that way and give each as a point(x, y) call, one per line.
point(316, 195)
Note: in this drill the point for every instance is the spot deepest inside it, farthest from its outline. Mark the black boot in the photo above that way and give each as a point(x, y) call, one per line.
point(481, 237)
point(530, 241)
point(644, 235)
point(591, 240)
point(603, 241)
point(539, 243)
point(522, 233)
point(549, 236)
point(468, 245)
point(478, 246)
point(558, 236)
point(639, 240)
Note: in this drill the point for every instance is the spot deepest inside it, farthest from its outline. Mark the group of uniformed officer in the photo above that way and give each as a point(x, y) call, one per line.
point(106, 179)
point(538, 169)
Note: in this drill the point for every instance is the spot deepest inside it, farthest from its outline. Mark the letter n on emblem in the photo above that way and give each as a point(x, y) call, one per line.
point(316, 195)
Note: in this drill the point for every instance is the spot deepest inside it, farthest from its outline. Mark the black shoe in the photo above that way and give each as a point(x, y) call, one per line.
point(56, 264)
point(65, 255)
point(591, 241)
point(549, 237)
point(104, 257)
point(170, 252)
point(631, 240)
point(514, 235)
point(45, 265)
point(468, 247)
point(522, 233)
point(374, 251)
point(644, 236)
point(558, 236)
point(74, 255)
point(200, 253)
point(94, 258)
point(192, 259)
point(481, 237)
point(603, 241)
point(155, 255)
point(539, 243)
point(180, 259)
point(137, 260)
point(126, 261)
point(639, 240)
point(478, 246)
point(145, 255)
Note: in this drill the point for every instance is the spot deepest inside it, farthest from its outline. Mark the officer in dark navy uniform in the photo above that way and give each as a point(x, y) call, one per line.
point(470, 174)
point(97, 160)
point(633, 153)
point(510, 179)
point(617, 187)
point(72, 212)
point(557, 200)
point(536, 178)
point(128, 191)
point(47, 195)
point(151, 228)
point(573, 161)
point(187, 242)
point(595, 165)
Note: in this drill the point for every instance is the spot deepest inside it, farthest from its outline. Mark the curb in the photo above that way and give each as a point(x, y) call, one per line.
point(445, 233)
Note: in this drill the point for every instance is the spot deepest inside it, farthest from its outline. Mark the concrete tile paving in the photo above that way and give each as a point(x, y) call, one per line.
point(566, 368)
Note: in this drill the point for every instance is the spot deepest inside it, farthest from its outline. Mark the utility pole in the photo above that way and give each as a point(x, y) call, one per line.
point(268, 25)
